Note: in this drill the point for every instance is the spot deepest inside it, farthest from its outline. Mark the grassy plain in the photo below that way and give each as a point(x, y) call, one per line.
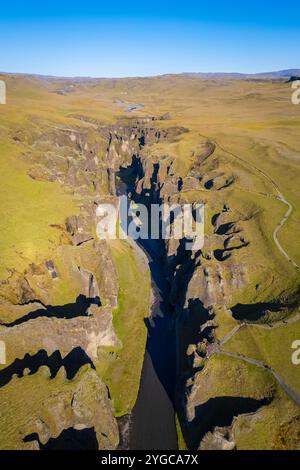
point(128, 320)
point(256, 129)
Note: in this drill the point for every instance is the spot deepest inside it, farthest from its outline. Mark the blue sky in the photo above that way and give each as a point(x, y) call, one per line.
point(140, 38)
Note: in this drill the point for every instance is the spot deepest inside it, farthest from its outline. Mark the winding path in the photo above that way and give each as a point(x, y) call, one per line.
point(231, 334)
point(289, 391)
point(279, 196)
point(218, 350)
point(273, 326)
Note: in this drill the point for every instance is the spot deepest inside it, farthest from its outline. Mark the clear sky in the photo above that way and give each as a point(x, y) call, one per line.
point(115, 38)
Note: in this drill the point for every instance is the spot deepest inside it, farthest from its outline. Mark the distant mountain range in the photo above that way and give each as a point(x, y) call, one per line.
point(280, 74)
point(284, 74)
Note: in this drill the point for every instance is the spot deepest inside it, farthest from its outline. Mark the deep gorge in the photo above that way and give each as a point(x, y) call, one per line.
point(188, 291)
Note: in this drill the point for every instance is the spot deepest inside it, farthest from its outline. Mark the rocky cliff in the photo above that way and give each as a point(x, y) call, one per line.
point(71, 316)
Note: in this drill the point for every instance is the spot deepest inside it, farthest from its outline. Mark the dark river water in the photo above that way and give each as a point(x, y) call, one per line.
point(151, 425)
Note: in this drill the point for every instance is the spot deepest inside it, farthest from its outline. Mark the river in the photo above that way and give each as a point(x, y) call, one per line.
point(151, 424)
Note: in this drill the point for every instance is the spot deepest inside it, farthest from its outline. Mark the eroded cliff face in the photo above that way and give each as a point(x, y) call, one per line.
point(61, 411)
point(57, 315)
point(209, 291)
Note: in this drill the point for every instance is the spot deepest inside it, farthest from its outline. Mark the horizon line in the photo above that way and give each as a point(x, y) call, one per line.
point(124, 77)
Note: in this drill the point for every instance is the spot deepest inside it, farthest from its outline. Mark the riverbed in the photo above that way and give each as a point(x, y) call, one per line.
point(151, 424)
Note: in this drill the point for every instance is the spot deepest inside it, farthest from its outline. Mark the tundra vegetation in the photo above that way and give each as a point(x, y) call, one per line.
point(73, 307)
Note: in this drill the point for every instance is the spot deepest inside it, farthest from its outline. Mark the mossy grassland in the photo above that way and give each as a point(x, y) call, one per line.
point(33, 211)
point(256, 131)
point(128, 321)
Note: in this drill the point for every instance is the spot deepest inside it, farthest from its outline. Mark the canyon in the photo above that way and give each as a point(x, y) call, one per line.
point(142, 344)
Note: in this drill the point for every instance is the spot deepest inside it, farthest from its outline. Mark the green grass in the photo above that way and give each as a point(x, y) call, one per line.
point(121, 368)
point(247, 118)
point(37, 398)
point(271, 346)
point(273, 427)
point(225, 322)
point(225, 376)
point(27, 209)
point(180, 439)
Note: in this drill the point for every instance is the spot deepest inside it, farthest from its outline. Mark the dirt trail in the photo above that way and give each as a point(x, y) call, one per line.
point(289, 391)
point(280, 324)
point(273, 326)
point(279, 196)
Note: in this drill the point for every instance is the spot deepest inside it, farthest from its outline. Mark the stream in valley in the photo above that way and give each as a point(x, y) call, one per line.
point(153, 417)
point(151, 424)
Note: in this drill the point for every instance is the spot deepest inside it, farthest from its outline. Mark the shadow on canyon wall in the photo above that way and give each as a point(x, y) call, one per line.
point(78, 308)
point(255, 312)
point(69, 439)
point(72, 363)
point(218, 412)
